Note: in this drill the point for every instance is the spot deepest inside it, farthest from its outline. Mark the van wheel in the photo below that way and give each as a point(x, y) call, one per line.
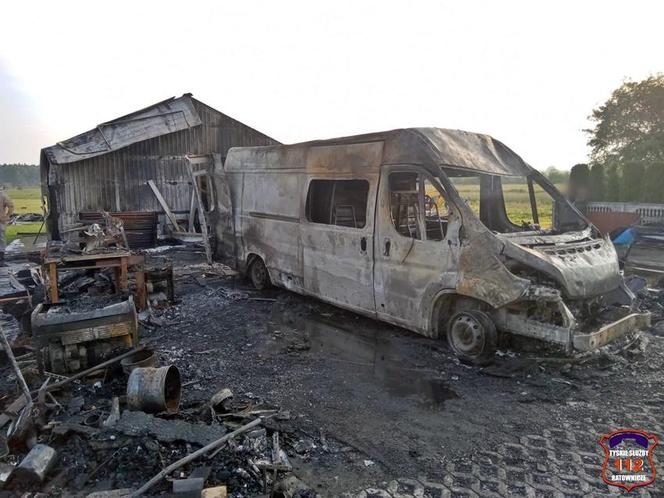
point(259, 275)
point(472, 336)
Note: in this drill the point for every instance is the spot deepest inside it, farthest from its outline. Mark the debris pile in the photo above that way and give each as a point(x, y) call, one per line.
point(652, 299)
point(104, 430)
point(102, 399)
point(91, 410)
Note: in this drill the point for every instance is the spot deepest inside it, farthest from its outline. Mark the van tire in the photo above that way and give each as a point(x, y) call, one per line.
point(472, 336)
point(259, 275)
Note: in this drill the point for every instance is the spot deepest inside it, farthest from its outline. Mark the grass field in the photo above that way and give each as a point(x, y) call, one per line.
point(26, 200)
point(517, 202)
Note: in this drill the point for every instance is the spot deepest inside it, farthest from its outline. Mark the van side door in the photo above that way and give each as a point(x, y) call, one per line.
point(337, 225)
point(416, 246)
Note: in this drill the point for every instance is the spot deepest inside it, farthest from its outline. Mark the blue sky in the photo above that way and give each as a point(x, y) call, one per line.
point(528, 73)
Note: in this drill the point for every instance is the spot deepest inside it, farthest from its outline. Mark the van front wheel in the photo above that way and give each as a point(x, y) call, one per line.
point(473, 337)
point(259, 275)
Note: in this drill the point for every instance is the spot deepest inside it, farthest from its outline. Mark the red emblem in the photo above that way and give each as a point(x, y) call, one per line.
point(628, 460)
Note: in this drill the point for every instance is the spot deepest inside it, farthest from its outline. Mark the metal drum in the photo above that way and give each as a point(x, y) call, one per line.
point(154, 390)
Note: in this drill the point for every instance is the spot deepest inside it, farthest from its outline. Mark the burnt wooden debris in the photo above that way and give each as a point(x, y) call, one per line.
point(109, 167)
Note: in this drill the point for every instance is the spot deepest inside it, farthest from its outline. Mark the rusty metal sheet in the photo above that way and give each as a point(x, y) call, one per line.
point(364, 157)
point(609, 221)
point(585, 269)
point(117, 181)
point(482, 276)
point(165, 117)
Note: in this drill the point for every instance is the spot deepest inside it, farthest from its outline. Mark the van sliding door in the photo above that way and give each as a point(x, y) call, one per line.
point(337, 223)
point(337, 242)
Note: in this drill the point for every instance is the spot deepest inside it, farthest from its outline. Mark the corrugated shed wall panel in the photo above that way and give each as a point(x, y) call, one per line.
point(89, 185)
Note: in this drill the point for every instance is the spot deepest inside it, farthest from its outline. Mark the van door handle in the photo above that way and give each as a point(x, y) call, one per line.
point(386, 249)
point(363, 245)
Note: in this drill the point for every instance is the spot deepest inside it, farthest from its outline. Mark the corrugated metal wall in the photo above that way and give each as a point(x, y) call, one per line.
point(117, 181)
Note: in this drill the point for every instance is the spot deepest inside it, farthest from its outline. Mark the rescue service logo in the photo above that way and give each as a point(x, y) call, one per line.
point(628, 461)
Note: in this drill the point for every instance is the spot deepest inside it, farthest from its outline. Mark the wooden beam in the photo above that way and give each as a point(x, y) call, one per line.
point(201, 214)
point(164, 206)
point(192, 211)
point(53, 282)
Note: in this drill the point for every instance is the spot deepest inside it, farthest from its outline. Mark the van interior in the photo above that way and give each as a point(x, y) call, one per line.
point(338, 202)
point(511, 204)
point(417, 205)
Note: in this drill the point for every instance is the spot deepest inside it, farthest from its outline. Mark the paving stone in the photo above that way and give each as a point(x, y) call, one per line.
point(562, 462)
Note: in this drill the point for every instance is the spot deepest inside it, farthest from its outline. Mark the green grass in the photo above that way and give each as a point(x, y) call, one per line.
point(26, 200)
point(517, 202)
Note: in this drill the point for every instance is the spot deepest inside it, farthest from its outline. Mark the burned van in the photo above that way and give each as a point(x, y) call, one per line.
point(417, 227)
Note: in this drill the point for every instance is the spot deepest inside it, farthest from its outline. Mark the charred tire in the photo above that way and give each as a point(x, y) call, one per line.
point(259, 275)
point(472, 336)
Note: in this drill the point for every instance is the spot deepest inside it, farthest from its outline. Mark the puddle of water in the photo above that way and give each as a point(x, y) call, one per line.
point(379, 359)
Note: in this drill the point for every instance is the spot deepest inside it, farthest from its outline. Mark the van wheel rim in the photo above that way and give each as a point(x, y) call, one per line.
point(259, 272)
point(467, 335)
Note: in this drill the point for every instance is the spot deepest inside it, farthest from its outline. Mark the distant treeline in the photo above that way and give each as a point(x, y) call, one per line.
point(636, 182)
point(555, 175)
point(19, 175)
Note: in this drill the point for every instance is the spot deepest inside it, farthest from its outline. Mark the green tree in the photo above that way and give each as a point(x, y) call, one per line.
point(556, 175)
point(653, 183)
point(628, 140)
point(632, 182)
point(19, 175)
point(612, 183)
point(630, 125)
point(597, 183)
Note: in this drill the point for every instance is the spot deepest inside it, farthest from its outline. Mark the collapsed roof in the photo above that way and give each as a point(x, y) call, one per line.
point(165, 117)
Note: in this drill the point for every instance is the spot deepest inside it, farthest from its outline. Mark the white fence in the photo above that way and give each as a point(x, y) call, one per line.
point(650, 213)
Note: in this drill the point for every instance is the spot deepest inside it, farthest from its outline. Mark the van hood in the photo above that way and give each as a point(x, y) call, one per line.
point(584, 266)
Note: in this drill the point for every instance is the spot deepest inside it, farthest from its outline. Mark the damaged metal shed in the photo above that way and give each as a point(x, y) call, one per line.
point(108, 167)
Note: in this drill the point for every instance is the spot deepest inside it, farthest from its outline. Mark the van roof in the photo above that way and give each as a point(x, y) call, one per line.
point(456, 149)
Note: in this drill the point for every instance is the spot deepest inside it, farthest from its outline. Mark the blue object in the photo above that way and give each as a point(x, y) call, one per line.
point(625, 238)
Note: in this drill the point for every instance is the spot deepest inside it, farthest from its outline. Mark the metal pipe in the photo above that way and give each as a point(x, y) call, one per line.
point(154, 390)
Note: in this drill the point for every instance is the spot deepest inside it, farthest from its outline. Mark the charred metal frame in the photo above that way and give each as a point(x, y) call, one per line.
point(413, 283)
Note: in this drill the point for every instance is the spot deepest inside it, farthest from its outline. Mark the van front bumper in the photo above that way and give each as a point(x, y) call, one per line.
point(610, 332)
point(570, 337)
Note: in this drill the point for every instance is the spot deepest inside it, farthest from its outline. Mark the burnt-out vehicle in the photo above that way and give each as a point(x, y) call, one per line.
point(411, 227)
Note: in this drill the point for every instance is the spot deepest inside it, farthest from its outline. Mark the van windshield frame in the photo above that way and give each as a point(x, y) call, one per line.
point(486, 201)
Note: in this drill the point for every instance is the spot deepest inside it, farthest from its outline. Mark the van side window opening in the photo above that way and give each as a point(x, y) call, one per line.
point(436, 211)
point(416, 203)
point(405, 204)
point(338, 202)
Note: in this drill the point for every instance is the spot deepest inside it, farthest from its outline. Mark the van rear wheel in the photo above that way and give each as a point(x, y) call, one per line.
point(472, 336)
point(259, 275)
